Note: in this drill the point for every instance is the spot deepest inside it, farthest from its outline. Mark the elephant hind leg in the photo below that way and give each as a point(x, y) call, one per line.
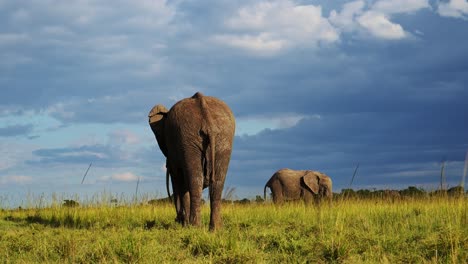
point(194, 179)
point(216, 190)
point(277, 192)
point(186, 207)
point(181, 198)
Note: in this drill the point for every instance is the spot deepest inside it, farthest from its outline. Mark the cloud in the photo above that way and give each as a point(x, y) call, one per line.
point(124, 137)
point(380, 26)
point(122, 177)
point(100, 154)
point(88, 38)
point(376, 19)
point(453, 8)
point(346, 19)
point(121, 147)
point(15, 179)
point(271, 27)
point(16, 130)
point(308, 87)
point(251, 125)
point(13, 154)
point(99, 109)
point(333, 144)
point(262, 44)
point(13, 38)
point(399, 6)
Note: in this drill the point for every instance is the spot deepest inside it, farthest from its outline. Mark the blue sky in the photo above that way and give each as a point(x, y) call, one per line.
point(321, 85)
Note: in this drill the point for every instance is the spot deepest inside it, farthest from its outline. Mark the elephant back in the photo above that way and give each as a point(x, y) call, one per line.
point(203, 115)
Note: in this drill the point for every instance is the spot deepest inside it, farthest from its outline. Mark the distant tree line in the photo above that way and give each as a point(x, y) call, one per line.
point(411, 191)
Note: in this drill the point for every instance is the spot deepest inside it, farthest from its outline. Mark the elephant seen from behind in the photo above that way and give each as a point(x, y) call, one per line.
point(196, 137)
point(293, 185)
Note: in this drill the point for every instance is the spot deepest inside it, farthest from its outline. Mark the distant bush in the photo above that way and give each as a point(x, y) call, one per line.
point(70, 203)
point(456, 191)
point(412, 191)
point(160, 201)
point(259, 199)
point(243, 201)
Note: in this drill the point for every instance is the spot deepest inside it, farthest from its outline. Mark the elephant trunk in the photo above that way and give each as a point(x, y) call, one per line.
point(264, 192)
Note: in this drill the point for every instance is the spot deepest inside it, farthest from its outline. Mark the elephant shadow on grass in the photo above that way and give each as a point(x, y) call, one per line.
point(54, 222)
point(69, 221)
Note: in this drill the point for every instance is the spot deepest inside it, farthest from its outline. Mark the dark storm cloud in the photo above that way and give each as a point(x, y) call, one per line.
point(77, 50)
point(386, 146)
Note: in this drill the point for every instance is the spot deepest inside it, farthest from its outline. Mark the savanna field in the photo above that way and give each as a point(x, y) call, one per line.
point(423, 230)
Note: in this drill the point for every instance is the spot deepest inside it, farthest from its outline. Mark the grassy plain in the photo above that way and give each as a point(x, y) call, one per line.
point(429, 230)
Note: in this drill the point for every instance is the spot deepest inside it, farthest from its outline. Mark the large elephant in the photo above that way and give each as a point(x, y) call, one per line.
point(196, 137)
point(291, 185)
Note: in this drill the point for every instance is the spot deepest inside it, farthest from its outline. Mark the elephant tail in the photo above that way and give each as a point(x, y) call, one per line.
point(209, 130)
point(167, 184)
point(213, 144)
point(264, 191)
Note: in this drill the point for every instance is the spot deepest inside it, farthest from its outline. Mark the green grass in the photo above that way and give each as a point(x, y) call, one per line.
point(351, 231)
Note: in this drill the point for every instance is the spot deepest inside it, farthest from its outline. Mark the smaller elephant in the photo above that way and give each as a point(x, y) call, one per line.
point(292, 185)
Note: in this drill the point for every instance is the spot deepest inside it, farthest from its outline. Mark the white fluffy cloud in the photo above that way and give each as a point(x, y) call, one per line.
point(380, 26)
point(376, 19)
point(346, 19)
point(264, 43)
point(121, 177)
point(252, 125)
point(454, 8)
point(270, 27)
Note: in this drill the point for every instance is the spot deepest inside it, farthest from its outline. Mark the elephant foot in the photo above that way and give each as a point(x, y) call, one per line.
point(181, 219)
point(214, 227)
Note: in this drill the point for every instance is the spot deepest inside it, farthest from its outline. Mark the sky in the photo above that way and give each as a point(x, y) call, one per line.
point(319, 85)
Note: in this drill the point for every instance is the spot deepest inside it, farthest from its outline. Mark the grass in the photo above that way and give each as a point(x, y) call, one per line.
point(430, 230)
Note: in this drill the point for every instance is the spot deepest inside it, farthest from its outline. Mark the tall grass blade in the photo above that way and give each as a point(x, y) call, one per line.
point(462, 184)
point(136, 190)
point(442, 175)
point(86, 173)
point(354, 174)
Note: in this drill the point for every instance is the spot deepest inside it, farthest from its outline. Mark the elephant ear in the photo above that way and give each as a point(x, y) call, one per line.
point(157, 113)
point(156, 118)
point(311, 180)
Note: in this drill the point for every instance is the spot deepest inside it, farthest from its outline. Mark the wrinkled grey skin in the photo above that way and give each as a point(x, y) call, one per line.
point(196, 137)
point(293, 185)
